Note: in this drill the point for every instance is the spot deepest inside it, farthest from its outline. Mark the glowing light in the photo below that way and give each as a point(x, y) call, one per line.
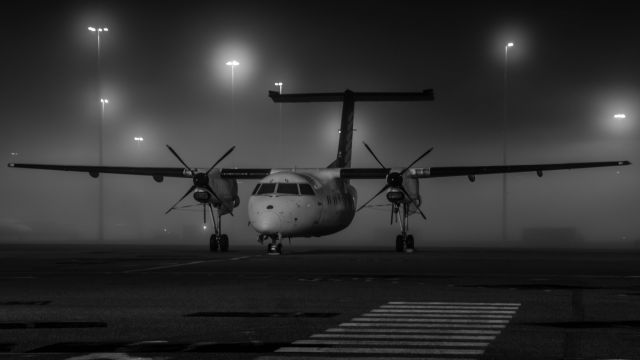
point(620, 116)
point(14, 154)
point(232, 63)
point(204, 227)
point(91, 28)
point(138, 138)
point(106, 29)
point(510, 44)
point(104, 101)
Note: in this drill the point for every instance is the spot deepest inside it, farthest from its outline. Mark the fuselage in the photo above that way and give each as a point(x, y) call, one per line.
point(313, 202)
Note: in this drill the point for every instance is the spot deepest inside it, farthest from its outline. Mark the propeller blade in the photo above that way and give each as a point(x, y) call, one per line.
point(179, 158)
point(416, 160)
point(413, 202)
point(374, 155)
point(219, 160)
point(183, 196)
point(374, 196)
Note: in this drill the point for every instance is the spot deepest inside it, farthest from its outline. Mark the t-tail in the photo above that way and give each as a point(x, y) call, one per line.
point(348, 99)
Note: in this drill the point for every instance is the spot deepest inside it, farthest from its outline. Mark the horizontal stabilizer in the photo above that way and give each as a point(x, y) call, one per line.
point(424, 95)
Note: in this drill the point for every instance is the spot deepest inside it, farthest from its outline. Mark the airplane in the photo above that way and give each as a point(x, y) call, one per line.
point(312, 202)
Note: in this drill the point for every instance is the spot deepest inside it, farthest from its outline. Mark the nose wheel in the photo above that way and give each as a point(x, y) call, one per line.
point(275, 246)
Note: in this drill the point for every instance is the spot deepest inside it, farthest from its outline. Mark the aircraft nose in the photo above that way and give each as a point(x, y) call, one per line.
point(266, 222)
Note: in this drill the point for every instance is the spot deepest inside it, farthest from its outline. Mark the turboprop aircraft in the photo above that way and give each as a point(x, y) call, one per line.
point(308, 202)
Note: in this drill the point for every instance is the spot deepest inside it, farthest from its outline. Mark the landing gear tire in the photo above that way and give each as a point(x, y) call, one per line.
point(399, 243)
point(274, 249)
point(409, 244)
point(224, 243)
point(213, 243)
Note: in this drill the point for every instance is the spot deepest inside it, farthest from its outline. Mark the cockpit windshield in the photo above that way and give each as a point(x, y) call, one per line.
point(283, 189)
point(287, 188)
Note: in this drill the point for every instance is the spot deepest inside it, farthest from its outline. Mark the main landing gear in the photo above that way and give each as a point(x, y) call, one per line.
point(218, 240)
point(404, 241)
point(275, 246)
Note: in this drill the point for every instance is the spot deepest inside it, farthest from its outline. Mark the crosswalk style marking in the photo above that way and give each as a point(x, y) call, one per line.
point(405, 329)
point(404, 336)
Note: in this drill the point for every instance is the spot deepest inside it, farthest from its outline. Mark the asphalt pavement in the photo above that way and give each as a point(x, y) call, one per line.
point(88, 302)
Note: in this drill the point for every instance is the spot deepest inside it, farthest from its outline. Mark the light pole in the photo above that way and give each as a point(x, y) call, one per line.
point(504, 142)
point(232, 64)
point(279, 85)
point(103, 102)
point(98, 31)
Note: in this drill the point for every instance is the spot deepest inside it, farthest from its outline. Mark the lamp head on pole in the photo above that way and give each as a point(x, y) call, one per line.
point(232, 63)
point(509, 44)
point(104, 101)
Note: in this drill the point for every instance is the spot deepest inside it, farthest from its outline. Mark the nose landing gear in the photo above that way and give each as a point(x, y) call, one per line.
point(275, 246)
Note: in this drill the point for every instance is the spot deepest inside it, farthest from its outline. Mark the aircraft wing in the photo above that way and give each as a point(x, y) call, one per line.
point(472, 171)
point(158, 173)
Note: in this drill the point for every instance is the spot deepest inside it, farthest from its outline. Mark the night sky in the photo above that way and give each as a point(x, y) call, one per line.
point(573, 67)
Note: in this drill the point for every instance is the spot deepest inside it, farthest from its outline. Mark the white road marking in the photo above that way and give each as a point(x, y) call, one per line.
point(446, 311)
point(438, 315)
point(316, 357)
point(390, 343)
point(409, 329)
point(449, 303)
point(170, 266)
point(368, 350)
point(482, 326)
point(437, 320)
point(403, 336)
point(414, 331)
point(454, 307)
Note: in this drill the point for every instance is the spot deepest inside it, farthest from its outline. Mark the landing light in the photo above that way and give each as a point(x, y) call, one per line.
point(204, 227)
point(620, 116)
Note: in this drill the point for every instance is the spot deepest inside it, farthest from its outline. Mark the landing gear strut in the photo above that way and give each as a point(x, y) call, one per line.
point(275, 246)
point(218, 240)
point(404, 241)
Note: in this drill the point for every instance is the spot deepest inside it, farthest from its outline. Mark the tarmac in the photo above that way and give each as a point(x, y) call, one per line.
point(88, 302)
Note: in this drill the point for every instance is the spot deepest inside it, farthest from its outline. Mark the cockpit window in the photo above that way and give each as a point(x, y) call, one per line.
point(255, 190)
point(268, 188)
point(305, 189)
point(288, 188)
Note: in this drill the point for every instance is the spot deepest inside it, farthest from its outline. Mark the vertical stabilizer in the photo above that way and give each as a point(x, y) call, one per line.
point(348, 98)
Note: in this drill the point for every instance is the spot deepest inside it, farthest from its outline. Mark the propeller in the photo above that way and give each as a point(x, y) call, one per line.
point(200, 179)
point(394, 181)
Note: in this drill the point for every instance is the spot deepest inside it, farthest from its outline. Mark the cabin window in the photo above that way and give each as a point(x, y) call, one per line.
point(255, 190)
point(305, 189)
point(268, 188)
point(287, 188)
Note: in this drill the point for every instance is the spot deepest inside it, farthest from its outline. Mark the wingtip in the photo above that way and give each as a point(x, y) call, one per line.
point(11, 165)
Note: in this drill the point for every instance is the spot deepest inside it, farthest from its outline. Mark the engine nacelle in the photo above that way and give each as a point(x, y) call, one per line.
point(202, 196)
point(395, 196)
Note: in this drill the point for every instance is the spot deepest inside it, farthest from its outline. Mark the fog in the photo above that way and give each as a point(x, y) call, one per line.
point(162, 67)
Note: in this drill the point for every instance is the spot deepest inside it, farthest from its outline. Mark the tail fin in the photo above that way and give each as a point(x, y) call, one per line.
point(348, 98)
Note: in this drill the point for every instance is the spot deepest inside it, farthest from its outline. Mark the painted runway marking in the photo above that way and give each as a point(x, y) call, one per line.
point(446, 330)
point(171, 266)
